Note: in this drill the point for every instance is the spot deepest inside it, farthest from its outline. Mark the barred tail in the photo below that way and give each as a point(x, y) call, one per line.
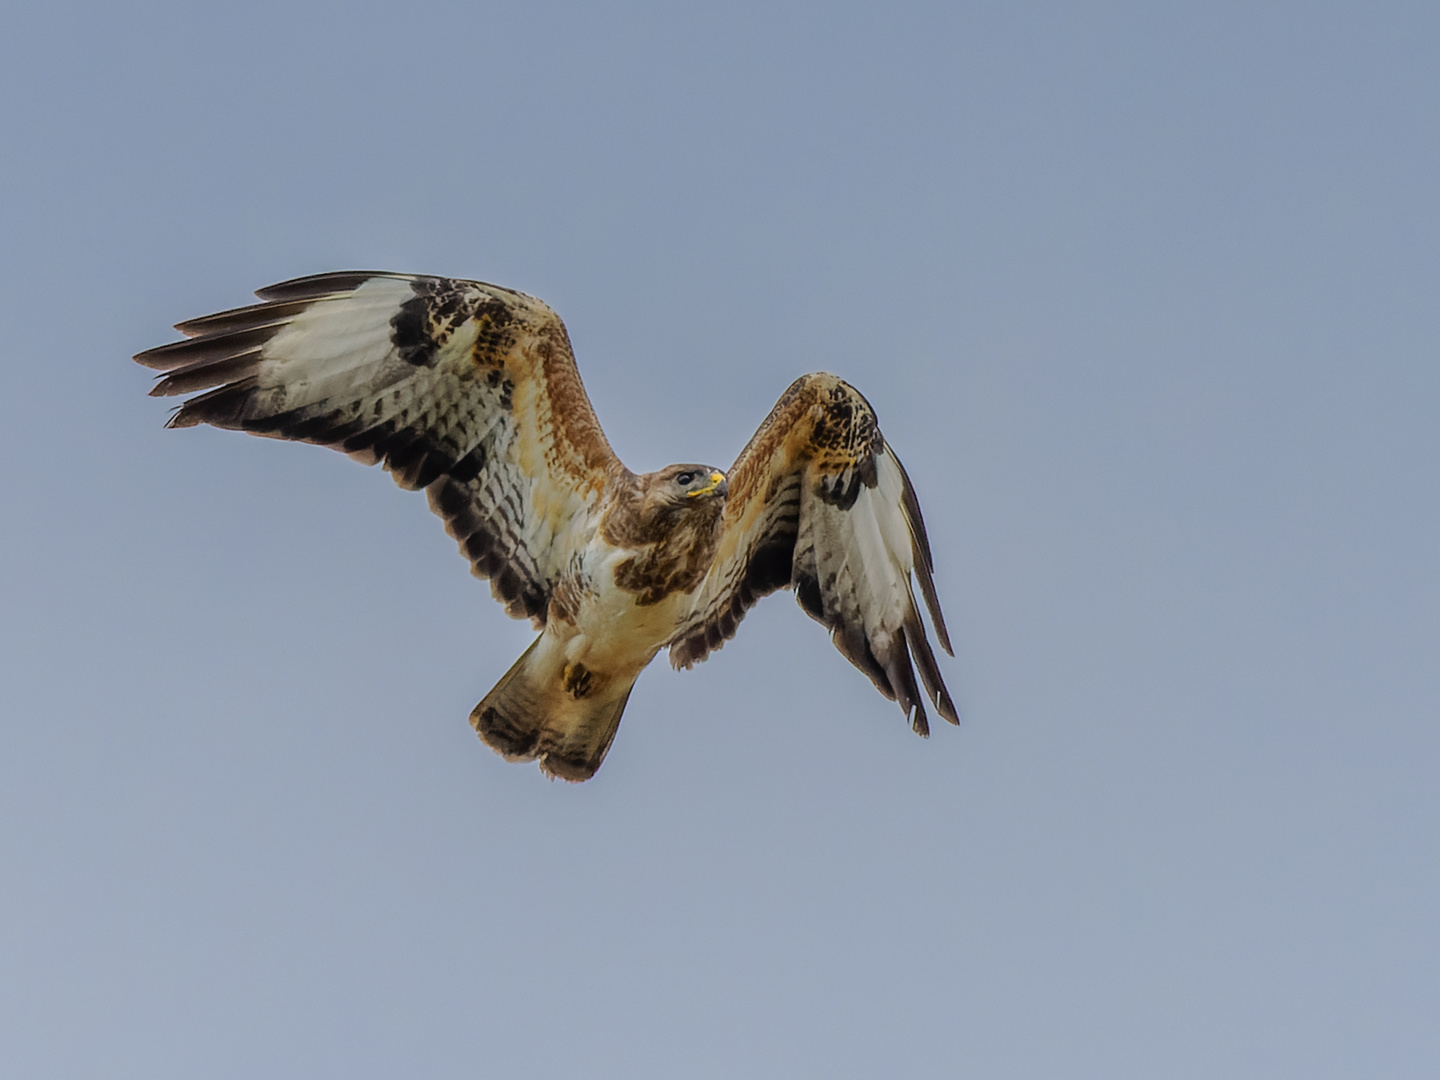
point(559, 713)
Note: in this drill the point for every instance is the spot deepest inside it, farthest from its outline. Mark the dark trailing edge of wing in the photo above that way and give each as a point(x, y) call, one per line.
point(924, 562)
point(516, 586)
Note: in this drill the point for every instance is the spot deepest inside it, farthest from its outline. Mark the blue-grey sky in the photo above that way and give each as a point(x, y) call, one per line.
point(1145, 296)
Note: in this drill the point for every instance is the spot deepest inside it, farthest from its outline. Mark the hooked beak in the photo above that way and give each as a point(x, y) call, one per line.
point(716, 486)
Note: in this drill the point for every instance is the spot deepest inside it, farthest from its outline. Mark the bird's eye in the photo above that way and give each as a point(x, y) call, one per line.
point(684, 479)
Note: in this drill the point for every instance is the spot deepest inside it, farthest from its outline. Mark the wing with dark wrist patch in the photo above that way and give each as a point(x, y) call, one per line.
point(465, 389)
point(819, 503)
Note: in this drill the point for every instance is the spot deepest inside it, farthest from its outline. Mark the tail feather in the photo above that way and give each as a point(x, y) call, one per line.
point(559, 714)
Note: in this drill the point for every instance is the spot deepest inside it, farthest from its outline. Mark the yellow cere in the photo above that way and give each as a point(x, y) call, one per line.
point(715, 478)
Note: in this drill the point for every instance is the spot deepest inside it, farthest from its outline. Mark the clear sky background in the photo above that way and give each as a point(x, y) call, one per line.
point(1146, 297)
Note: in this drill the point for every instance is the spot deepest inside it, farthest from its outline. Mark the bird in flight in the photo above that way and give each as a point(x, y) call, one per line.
point(470, 391)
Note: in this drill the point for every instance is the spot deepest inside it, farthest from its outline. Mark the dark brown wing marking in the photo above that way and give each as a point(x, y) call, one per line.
point(819, 503)
point(466, 389)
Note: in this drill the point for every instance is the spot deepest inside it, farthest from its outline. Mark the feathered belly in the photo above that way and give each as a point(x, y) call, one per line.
point(612, 630)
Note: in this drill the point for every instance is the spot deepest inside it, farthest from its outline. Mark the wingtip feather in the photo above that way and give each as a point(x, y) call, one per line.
point(921, 723)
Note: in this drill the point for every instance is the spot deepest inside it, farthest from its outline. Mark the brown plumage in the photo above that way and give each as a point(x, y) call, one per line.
point(470, 391)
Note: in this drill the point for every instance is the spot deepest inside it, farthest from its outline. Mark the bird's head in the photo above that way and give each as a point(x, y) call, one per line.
point(687, 497)
point(688, 484)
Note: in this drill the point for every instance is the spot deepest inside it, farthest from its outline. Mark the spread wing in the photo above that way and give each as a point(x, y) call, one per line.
point(462, 388)
point(818, 502)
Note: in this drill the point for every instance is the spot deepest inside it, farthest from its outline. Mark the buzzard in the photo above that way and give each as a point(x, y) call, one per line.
point(470, 391)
